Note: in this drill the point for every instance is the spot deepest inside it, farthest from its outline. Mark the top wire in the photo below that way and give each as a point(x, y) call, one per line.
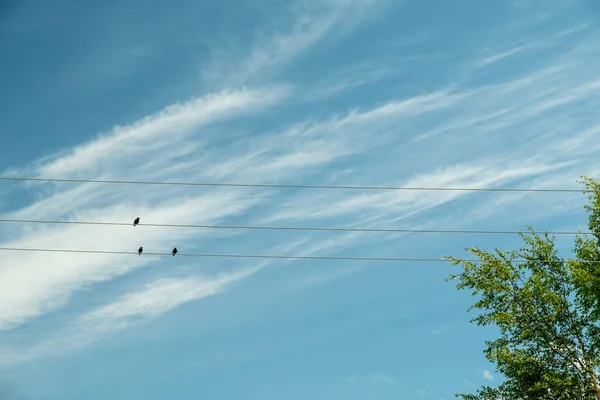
point(285, 186)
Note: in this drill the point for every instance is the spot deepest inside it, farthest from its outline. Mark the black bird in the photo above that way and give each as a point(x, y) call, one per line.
point(174, 251)
point(140, 250)
point(136, 221)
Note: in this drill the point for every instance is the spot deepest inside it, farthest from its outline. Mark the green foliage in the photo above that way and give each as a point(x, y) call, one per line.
point(547, 310)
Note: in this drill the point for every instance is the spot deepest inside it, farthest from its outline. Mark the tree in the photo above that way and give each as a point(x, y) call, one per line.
point(547, 310)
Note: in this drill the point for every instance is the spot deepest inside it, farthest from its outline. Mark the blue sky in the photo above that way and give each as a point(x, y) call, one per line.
point(467, 93)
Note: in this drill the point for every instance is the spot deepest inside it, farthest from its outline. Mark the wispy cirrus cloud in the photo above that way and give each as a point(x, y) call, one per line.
point(500, 56)
point(155, 299)
point(393, 206)
point(544, 153)
point(541, 44)
point(130, 149)
point(165, 129)
point(310, 22)
point(36, 283)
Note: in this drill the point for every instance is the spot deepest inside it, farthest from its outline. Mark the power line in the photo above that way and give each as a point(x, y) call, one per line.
point(296, 228)
point(264, 185)
point(271, 256)
point(221, 255)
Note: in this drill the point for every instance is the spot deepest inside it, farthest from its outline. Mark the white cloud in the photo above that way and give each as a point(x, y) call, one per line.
point(501, 208)
point(393, 206)
point(361, 74)
point(569, 31)
point(152, 301)
point(32, 284)
point(379, 379)
point(312, 21)
point(517, 133)
point(500, 56)
point(36, 283)
point(546, 42)
point(312, 143)
point(487, 375)
point(156, 132)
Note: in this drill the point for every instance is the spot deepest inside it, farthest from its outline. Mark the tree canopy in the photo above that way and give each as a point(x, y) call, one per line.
point(547, 310)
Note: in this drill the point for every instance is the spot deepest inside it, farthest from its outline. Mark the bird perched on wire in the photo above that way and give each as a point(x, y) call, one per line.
point(136, 221)
point(174, 251)
point(140, 250)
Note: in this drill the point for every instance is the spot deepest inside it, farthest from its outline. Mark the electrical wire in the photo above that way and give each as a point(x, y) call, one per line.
point(271, 256)
point(295, 228)
point(290, 186)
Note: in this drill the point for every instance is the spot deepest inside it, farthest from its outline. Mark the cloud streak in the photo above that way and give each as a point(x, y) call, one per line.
point(150, 302)
point(500, 56)
point(155, 133)
point(311, 22)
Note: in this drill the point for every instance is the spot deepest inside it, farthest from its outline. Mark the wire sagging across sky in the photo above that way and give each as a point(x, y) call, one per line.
point(291, 186)
point(272, 256)
point(296, 228)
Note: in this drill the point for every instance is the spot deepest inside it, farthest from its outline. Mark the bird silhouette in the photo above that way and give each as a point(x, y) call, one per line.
point(140, 250)
point(174, 251)
point(136, 221)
